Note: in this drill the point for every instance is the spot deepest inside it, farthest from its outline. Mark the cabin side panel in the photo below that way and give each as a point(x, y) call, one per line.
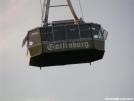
point(34, 42)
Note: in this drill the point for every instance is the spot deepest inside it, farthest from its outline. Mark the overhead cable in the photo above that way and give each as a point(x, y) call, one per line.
point(81, 10)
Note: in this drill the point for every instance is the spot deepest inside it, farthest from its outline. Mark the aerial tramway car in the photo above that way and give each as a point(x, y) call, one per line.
point(65, 42)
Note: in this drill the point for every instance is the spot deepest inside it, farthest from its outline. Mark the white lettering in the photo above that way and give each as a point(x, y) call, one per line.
point(86, 45)
point(63, 45)
point(66, 45)
point(69, 45)
point(57, 46)
point(83, 44)
point(50, 47)
point(74, 45)
point(78, 45)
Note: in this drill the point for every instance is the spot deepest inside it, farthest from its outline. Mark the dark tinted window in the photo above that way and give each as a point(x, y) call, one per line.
point(59, 33)
point(34, 38)
point(73, 32)
point(105, 33)
point(46, 30)
point(96, 31)
point(85, 31)
point(46, 34)
point(96, 26)
point(47, 37)
point(84, 27)
point(100, 35)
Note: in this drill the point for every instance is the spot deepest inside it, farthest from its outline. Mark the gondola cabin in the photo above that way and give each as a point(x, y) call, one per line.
point(62, 44)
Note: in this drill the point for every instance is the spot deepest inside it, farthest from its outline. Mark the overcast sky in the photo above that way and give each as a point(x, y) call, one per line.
point(113, 76)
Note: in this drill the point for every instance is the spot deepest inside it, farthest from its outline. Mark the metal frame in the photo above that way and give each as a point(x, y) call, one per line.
point(68, 2)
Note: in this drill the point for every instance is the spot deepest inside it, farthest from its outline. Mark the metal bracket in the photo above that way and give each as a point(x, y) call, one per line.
point(74, 16)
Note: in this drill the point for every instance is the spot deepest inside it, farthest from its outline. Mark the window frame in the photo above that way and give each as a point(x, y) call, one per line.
point(89, 34)
point(35, 39)
point(68, 35)
point(99, 35)
point(103, 33)
point(46, 33)
point(64, 38)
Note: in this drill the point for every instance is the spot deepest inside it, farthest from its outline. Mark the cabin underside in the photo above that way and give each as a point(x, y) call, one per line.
point(66, 57)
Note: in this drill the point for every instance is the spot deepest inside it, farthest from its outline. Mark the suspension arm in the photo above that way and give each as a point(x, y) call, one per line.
point(74, 16)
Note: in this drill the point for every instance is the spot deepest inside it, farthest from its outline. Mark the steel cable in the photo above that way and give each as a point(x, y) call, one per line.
point(42, 10)
point(81, 10)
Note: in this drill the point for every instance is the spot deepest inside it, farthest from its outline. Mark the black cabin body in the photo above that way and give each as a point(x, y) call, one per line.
point(66, 44)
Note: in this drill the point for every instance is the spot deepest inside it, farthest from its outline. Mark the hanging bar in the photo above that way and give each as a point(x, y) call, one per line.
point(58, 5)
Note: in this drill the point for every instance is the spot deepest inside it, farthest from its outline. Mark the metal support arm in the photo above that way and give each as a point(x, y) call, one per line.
point(74, 16)
point(46, 13)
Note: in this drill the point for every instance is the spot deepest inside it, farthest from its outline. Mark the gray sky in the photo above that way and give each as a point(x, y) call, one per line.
point(113, 76)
